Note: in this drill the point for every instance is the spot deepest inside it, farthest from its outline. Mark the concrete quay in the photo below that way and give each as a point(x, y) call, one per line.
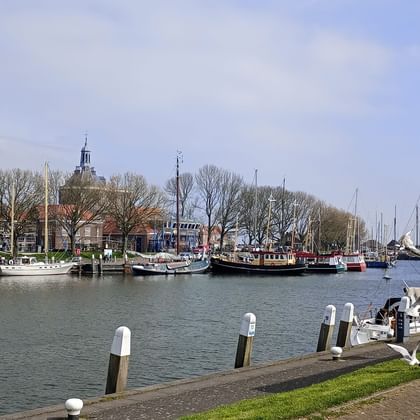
point(175, 399)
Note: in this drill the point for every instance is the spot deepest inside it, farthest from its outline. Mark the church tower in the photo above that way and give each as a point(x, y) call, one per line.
point(84, 168)
point(85, 157)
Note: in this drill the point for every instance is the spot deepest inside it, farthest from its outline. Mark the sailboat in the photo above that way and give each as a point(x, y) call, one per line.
point(353, 259)
point(29, 266)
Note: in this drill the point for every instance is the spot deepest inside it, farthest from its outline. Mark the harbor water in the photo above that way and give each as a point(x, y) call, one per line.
point(56, 332)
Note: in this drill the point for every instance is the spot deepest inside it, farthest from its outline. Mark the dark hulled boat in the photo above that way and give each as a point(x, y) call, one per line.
point(322, 263)
point(258, 262)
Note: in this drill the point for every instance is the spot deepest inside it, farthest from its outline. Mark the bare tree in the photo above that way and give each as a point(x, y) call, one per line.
point(253, 213)
point(282, 215)
point(333, 227)
point(186, 185)
point(25, 189)
point(132, 203)
point(304, 204)
point(208, 184)
point(230, 188)
point(56, 179)
point(246, 203)
point(82, 203)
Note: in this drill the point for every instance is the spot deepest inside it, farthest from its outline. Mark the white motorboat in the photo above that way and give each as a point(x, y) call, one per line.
point(174, 268)
point(382, 325)
point(29, 266)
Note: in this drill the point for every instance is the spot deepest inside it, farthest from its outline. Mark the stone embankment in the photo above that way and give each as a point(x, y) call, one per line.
point(175, 399)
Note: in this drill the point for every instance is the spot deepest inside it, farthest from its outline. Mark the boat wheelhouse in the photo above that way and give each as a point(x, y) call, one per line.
point(322, 263)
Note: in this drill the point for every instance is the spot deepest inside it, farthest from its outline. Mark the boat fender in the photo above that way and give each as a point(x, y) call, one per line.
point(10, 262)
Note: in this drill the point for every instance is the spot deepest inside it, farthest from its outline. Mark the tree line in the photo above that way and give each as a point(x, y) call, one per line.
point(214, 196)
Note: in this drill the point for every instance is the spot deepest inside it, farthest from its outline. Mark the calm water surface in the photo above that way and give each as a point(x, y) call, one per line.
point(56, 332)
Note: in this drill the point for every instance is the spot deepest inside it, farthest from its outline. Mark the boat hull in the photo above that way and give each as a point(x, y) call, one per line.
point(196, 267)
point(227, 267)
point(35, 269)
point(325, 268)
point(360, 267)
point(377, 264)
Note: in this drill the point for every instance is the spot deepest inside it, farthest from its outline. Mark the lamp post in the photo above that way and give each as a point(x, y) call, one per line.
point(271, 200)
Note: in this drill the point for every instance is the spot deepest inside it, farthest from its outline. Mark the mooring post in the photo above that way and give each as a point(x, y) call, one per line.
point(100, 264)
point(403, 321)
point(336, 353)
point(327, 328)
point(344, 330)
point(246, 337)
point(73, 407)
point(118, 361)
point(93, 263)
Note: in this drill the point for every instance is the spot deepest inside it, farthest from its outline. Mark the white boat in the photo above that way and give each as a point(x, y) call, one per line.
point(382, 325)
point(171, 268)
point(29, 266)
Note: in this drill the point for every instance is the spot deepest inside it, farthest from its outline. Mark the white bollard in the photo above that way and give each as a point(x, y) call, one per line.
point(336, 352)
point(118, 361)
point(327, 328)
point(73, 407)
point(246, 337)
point(344, 330)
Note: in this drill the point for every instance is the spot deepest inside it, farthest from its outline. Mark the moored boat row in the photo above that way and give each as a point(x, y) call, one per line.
point(257, 261)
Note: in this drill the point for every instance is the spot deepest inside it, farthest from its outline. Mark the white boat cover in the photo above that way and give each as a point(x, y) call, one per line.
point(160, 255)
point(408, 244)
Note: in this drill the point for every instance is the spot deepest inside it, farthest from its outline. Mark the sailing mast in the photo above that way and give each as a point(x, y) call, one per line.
point(282, 211)
point(356, 239)
point(271, 200)
point(255, 208)
point(46, 213)
point(12, 217)
point(178, 156)
point(294, 226)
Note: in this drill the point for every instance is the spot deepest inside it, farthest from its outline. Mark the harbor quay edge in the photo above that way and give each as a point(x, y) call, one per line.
point(171, 400)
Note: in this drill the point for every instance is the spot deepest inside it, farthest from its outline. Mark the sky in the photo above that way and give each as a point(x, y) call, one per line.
point(321, 93)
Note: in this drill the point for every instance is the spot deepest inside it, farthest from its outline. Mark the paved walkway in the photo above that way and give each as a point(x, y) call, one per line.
point(401, 402)
point(172, 400)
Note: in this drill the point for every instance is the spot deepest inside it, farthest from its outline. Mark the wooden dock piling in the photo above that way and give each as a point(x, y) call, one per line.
point(246, 337)
point(344, 330)
point(118, 361)
point(327, 329)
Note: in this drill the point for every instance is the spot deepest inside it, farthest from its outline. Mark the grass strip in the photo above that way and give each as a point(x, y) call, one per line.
point(319, 397)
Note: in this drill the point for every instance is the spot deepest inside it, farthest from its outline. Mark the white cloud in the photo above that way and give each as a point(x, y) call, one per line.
point(218, 79)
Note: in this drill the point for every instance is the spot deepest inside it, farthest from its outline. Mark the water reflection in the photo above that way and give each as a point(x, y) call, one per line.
point(57, 331)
